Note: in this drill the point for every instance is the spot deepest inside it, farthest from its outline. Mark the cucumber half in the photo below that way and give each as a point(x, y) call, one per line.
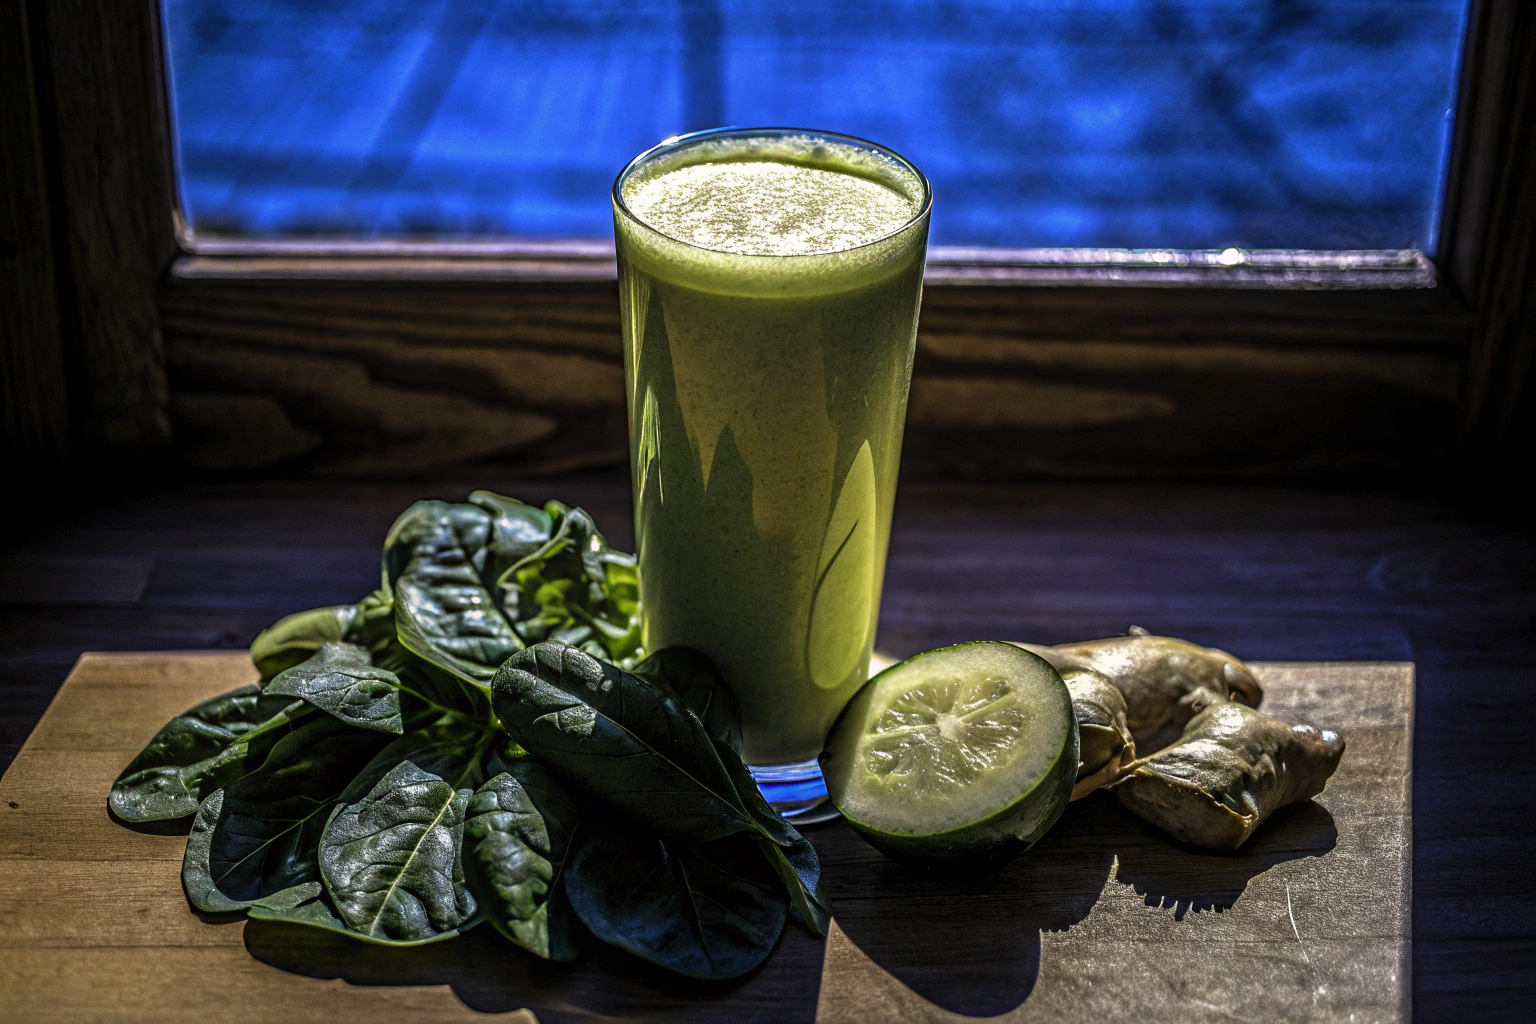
point(962, 753)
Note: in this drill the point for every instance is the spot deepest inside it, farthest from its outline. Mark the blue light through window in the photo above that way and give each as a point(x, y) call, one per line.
point(1317, 124)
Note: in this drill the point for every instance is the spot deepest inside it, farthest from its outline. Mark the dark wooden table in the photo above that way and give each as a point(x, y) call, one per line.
point(1268, 573)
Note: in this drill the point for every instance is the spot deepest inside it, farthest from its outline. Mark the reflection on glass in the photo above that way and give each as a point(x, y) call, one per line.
point(1140, 123)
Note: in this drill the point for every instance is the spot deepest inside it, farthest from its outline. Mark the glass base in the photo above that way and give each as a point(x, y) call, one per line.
point(796, 790)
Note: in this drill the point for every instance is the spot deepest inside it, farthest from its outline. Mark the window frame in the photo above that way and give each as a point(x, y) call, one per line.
point(1432, 349)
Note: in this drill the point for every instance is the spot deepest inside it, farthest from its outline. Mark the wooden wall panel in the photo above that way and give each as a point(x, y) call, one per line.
point(34, 401)
point(1488, 247)
point(1078, 381)
point(1186, 383)
point(396, 378)
point(118, 232)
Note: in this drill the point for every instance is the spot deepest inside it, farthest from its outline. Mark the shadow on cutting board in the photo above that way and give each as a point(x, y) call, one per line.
point(1186, 878)
point(491, 975)
point(967, 942)
point(971, 945)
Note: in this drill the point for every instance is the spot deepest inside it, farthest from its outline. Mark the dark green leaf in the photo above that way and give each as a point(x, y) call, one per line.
point(517, 835)
point(260, 835)
point(434, 558)
point(474, 583)
point(340, 680)
point(790, 854)
point(446, 747)
point(713, 910)
point(373, 626)
point(199, 751)
point(435, 533)
point(293, 638)
point(574, 589)
point(619, 625)
point(634, 745)
point(391, 862)
point(204, 730)
point(309, 905)
point(621, 739)
point(586, 542)
point(694, 680)
point(517, 531)
point(574, 551)
point(390, 854)
point(453, 626)
point(799, 869)
point(424, 684)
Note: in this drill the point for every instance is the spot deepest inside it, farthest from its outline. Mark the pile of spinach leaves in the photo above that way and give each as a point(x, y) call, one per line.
point(483, 739)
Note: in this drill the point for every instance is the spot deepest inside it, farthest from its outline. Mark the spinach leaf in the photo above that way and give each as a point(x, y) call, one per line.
point(435, 532)
point(309, 905)
point(425, 685)
point(632, 742)
point(575, 589)
point(452, 747)
point(620, 625)
point(573, 551)
point(207, 728)
point(373, 625)
point(201, 750)
point(473, 583)
point(516, 531)
point(340, 680)
point(711, 910)
point(517, 834)
point(799, 869)
point(433, 559)
point(493, 531)
point(621, 739)
point(390, 854)
point(260, 835)
point(789, 853)
point(698, 684)
point(293, 638)
point(693, 679)
point(454, 628)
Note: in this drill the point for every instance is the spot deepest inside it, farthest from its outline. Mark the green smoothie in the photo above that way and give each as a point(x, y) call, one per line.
point(769, 284)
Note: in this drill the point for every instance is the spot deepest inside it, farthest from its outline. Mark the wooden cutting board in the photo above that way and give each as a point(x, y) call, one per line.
point(1104, 920)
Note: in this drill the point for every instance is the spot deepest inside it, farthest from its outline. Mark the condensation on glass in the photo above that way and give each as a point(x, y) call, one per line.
point(1181, 124)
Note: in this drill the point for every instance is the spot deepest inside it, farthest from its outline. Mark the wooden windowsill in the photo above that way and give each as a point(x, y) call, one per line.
point(1353, 270)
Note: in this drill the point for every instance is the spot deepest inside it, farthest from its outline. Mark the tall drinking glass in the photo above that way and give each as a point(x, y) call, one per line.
point(769, 283)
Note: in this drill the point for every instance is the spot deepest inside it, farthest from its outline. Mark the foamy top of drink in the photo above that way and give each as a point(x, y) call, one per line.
point(767, 207)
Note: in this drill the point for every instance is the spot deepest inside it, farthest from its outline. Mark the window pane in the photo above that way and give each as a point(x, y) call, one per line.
point(1319, 124)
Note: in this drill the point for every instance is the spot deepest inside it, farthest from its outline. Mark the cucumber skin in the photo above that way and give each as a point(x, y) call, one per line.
point(992, 841)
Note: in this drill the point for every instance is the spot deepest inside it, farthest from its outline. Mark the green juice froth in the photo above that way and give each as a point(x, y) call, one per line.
point(770, 297)
point(768, 208)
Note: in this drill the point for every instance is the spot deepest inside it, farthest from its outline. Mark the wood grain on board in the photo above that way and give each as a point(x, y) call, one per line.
point(1105, 919)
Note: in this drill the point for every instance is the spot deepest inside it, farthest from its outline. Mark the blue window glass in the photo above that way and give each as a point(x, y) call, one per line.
point(1316, 124)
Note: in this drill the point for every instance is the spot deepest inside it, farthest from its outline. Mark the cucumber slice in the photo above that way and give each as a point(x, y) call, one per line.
point(963, 753)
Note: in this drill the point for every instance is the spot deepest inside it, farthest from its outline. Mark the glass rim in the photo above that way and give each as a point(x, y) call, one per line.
point(676, 142)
